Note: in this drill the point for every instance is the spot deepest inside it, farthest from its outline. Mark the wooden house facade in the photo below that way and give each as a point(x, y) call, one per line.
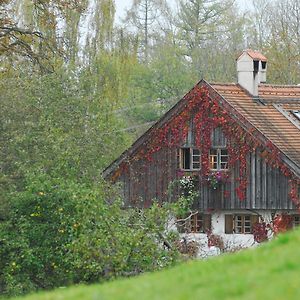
point(236, 145)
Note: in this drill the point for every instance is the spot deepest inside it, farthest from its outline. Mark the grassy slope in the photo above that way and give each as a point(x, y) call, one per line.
point(269, 272)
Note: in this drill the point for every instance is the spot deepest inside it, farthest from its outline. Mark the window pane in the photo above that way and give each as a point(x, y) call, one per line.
point(218, 138)
point(224, 159)
point(243, 224)
point(196, 159)
point(213, 159)
point(196, 152)
point(238, 224)
point(186, 158)
point(247, 224)
point(196, 166)
point(247, 229)
point(296, 221)
point(197, 223)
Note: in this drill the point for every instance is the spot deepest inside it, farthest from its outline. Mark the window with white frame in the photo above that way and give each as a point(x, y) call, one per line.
point(240, 223)
point(296, 221)
point(218, 159)
point(189, 159)
point(194, 223)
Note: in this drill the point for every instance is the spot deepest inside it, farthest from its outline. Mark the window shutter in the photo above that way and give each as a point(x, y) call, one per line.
point(229, 224)
point(207, 222)
point(254, 219)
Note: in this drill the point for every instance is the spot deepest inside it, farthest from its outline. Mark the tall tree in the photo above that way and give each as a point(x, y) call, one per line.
point(143, 15)
point(277, 34)
point(198, 23)
point(259, 24)
point(283, 47)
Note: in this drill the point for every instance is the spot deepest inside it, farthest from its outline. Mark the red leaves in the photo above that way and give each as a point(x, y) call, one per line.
point(281, 223)
point(260, 232)
point(294, 184)
point(207, 114)
point(214, 240)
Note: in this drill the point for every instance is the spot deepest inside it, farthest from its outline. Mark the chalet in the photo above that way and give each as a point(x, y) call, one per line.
point(236, 144)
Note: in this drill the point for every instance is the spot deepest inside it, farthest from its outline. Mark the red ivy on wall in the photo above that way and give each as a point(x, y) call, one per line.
point(205, 113)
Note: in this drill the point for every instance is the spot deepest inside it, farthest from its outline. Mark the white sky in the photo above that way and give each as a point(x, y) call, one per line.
point(122, 5)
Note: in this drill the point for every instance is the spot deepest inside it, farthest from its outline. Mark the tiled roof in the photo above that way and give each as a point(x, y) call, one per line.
point(255, 55)
point(280, 93)
point(270, 114)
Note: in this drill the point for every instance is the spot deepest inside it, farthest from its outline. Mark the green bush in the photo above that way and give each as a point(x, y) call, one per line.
point(59, 232)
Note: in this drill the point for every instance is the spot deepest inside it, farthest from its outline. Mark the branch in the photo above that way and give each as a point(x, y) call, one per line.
point(7, 30)
point(188, 217)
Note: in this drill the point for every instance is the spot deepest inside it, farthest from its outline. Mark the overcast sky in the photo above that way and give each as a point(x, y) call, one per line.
point(122, 5)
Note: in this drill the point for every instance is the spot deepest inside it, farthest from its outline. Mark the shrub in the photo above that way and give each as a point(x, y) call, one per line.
point(59, 232)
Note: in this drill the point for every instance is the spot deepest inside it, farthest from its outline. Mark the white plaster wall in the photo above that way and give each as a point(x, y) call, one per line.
point(232, 242)
point(246, 77)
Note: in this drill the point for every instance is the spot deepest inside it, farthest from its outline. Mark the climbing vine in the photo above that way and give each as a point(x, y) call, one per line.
point(205, 113)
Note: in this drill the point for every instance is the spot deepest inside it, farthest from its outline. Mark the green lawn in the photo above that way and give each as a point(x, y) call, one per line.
point(271, 271)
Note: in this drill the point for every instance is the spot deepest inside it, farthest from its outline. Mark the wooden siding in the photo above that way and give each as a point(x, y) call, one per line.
point(267, 187)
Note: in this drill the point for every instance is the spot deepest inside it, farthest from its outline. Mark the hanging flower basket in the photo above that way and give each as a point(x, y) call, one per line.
point(216, 178)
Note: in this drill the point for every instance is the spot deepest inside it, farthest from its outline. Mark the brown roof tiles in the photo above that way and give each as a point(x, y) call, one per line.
point(270, 115)
point(255, 55)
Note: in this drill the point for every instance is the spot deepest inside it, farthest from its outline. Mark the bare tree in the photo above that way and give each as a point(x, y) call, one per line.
point(143, 15)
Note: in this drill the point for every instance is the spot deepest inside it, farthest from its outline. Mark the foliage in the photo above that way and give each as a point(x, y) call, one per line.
point(277, 34)
point(60, 232)
point(281, 223)
point(215, 178)
point(186, 196)
point(143, 16)
point(189, 248)
point(54, 124)
point(230, 276)
point(260, 232)
point(214, 240)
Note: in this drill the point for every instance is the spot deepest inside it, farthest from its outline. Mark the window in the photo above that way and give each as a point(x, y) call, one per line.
point(218, 138)
point(194, 223)
point(295, 221)
point(296, 113)
point(189, 159)
point(218, 159)
point(240, 223)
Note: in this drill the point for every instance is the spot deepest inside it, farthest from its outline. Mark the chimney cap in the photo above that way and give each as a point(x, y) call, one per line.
point(254, 54)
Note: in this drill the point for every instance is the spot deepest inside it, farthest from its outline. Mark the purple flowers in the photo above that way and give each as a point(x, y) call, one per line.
point(216, 177)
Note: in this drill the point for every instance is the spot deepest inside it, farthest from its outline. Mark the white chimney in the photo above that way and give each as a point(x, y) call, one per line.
point(251, 69)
